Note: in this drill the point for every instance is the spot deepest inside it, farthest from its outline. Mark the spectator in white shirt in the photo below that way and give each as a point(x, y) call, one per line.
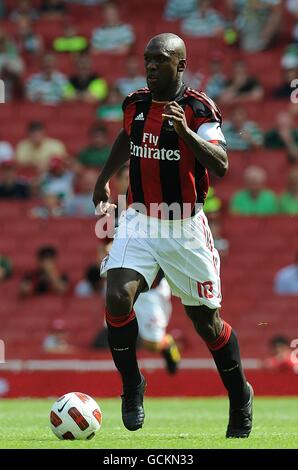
point(49, 85)
point(113, 35)
point(133, 80)
point(205, 22)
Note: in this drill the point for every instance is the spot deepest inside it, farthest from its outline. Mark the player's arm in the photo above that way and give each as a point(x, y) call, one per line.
point(119, 155)
point(211, 156)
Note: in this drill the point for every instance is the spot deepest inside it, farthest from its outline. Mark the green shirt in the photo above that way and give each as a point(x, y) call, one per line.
point(288, 204)
point(5, 264)
point(265, 204)
point(110, 112)
point(72, 44)
point(274, 141)
point(91, 156)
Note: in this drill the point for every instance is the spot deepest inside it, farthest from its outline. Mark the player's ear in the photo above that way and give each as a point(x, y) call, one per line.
point(182, 65)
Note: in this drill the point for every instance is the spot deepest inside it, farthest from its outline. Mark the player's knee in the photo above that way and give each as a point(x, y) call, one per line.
point(207, 324)
point(119, 301)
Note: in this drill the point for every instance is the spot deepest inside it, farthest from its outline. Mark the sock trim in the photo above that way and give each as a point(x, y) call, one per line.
point(222, 339)
point(120, 320)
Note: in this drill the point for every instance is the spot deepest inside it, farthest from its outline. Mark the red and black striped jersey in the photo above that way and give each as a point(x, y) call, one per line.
point(162, 168)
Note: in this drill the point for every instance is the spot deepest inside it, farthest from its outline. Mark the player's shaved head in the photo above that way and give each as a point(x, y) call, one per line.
point(169, 42)
point(165, 62)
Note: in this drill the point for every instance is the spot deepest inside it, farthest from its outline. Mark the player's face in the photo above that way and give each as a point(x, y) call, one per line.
point(161, 68)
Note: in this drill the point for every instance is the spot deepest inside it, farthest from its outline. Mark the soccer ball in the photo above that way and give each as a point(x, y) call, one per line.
point(75, 416)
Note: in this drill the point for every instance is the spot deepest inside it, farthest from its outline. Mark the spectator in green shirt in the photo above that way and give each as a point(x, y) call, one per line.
point(255, 199)
point(288, 201)
point(85, 84)
point(111, 109)
point(5, 267)
point(98, 150)
point(71, 41)
point(284, 136)
point(240, 133)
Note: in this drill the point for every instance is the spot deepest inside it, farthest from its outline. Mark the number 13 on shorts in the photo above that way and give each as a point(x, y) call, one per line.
point(205, 290)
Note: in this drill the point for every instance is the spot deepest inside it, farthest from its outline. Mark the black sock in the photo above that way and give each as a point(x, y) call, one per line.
point(122, 342)
point(226, 354)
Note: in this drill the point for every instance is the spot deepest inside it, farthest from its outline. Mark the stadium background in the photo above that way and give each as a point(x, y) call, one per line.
point(259, 246)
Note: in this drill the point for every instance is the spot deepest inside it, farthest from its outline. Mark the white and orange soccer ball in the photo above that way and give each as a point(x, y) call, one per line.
point(75, 415)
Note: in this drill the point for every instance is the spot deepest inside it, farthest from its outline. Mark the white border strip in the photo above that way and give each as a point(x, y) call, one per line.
point(108, 365)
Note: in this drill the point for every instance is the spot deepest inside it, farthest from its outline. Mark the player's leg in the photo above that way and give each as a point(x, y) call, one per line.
point(123, 287)
point(222, 342)
point(153, 314)
point(130, 268)
point(191, 266)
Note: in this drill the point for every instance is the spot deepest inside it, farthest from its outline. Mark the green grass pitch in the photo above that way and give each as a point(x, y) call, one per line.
point(170, 423)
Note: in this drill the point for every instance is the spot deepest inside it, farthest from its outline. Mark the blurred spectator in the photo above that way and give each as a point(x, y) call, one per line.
point(58, 180)
point(71, 41)
point(259, 22)
point(292, 7)
point(284, 136)
point(37, 149)
point(176, 9)
point(48, 86)
point(97, 151)
point(87, 2)
point(27, 41)
point(56, 341)
point(255, 199)
point(290, 73)
point(11, 67)
point(81, 203)
point(133, 80)
point(111, 109)
point(92, 284)
point(11, 185)
point(193, 79)
point(220, 243)
point(85, 84)
point(213, 203)
point(286, 279)
point(280, 357)
point(113, 35)
point(204, 22)
point(240, 133)
point(6, 152)
point(241, 86)
point(46, 278)
point(51, 206)
point(5, 268)
point(217, 80)
point(24, 8)
point(2, 10)
point(52, 8)
point(288, 200)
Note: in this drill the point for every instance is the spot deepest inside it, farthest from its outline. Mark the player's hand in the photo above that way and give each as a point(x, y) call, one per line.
point(174, 113)
point(101, 202)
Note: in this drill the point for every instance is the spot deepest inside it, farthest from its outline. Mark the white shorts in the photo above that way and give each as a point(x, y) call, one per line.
point(183, 249)
point(153, 310)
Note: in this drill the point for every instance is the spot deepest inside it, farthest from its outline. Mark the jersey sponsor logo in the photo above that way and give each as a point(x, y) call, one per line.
point(143, 151)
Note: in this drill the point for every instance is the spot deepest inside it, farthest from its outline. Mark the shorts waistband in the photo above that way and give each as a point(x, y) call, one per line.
point(158, 222)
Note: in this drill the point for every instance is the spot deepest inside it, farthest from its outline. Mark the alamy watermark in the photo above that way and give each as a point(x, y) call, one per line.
point(2, 92)
point(159, 220)
point(294, 94)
